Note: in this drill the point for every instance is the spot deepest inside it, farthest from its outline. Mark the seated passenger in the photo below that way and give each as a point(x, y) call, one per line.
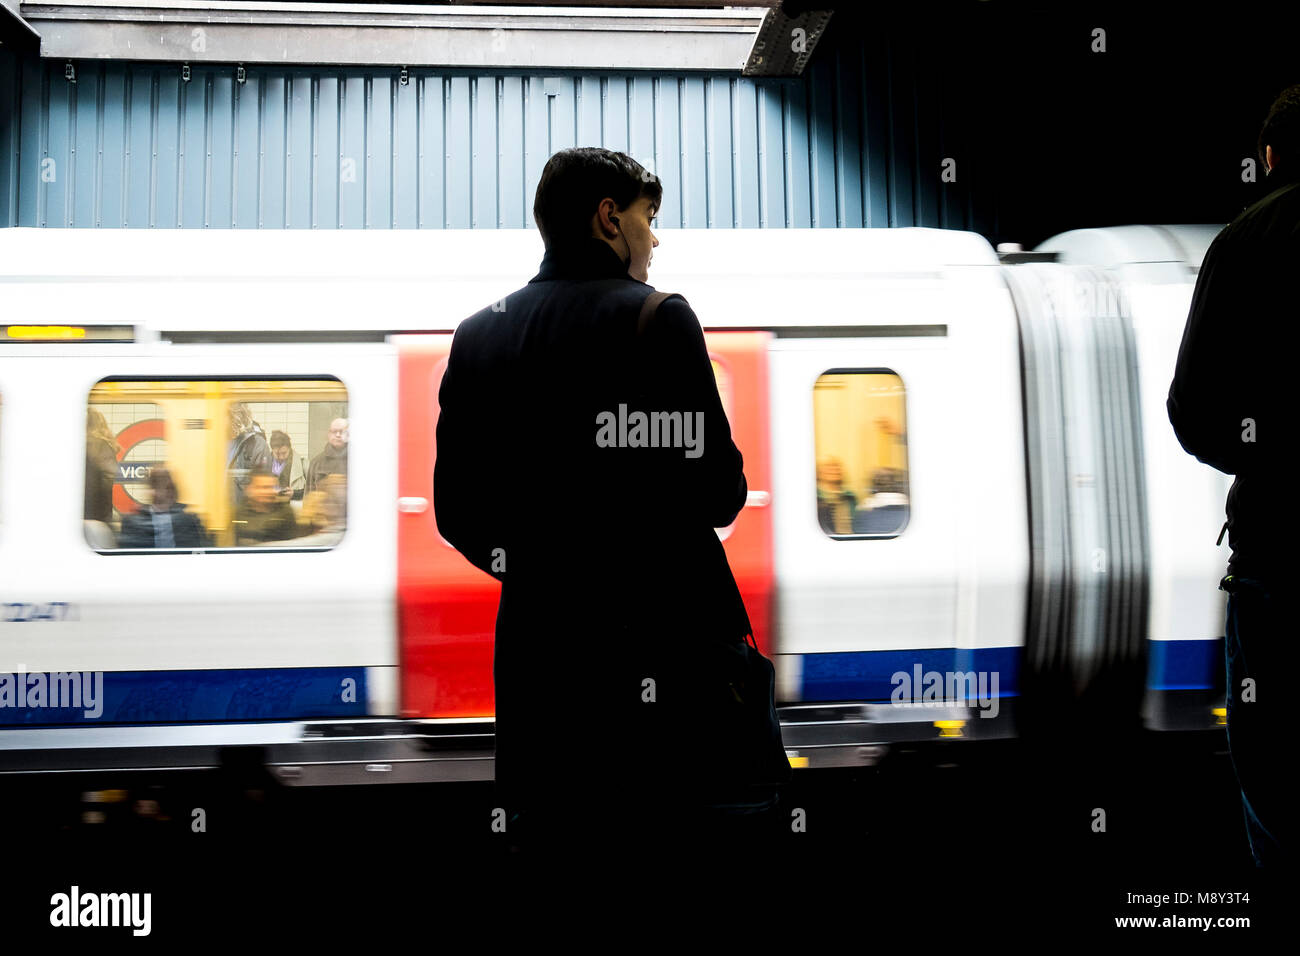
point(265, 515)
point(163, 523)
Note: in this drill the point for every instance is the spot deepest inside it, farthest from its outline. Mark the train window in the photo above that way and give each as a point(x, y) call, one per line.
point(214, 464)
point(860, 441)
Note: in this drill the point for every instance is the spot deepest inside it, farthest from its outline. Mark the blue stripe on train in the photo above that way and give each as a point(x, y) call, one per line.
point(869, 675)
point(1186, 665)
point(134, 697)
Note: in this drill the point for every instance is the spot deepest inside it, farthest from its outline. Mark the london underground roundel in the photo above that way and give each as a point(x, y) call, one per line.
point(142, 447)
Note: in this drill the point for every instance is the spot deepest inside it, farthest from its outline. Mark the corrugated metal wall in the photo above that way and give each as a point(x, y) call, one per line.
point(130, 144)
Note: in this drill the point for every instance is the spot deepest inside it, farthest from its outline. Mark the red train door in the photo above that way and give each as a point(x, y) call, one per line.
point(447, 607)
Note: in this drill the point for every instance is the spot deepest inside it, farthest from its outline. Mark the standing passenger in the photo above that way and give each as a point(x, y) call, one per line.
point(333, 460)
point(1232, 408)
point(248, 450)
point(282, 460)
point(102, 450)
point(616, 577)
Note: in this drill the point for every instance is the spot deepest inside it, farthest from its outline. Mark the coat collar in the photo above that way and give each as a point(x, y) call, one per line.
point(591, 259)
point(1281, 176)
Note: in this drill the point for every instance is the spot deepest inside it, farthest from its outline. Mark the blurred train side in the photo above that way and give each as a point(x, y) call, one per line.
point(962, 588)
point(1155, 267)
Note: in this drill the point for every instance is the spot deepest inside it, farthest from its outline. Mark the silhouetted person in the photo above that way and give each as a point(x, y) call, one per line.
point(1232, 406)
point(616, 574)
point(164, 522)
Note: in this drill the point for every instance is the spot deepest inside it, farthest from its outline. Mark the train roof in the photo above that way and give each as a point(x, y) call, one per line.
point(206, 285)
point(428, 280)
point(1137, 252)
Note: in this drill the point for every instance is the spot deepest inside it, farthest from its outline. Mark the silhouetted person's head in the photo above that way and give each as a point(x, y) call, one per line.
point(581, 189)
point(163, 488)
point(281, 447)
point(1279, 138)
point(263, 489)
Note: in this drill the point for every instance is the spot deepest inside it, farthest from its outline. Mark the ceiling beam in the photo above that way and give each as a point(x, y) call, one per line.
point(460, 36)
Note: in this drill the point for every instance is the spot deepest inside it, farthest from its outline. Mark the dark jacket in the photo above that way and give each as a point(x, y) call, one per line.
point(1236, 364)
point(251, 450)
point(138, 529)
point(613, 569)
point(328, 462)
point(277, 524)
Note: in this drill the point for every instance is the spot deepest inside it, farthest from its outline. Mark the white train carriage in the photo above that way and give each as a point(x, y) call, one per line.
point(942, 485)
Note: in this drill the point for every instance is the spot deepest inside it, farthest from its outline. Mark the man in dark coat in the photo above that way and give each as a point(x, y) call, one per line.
point(265, 517)
point(615, 584)
point(333, 459)
point(1231, 406)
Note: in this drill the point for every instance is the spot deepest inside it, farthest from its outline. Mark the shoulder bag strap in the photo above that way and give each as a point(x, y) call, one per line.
point(648, 309)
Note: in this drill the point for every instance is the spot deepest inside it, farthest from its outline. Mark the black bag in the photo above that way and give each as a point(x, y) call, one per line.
point(739, 694)
point(733, 691)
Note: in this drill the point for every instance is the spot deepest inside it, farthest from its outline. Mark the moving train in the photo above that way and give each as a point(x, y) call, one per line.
point(965, 498)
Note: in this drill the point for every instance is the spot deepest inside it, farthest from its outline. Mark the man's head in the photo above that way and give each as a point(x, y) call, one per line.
point(263, 488)
point(591, 192)
point(1279, 138)
point(162, 487)
point(281, 447)
point(338, 433)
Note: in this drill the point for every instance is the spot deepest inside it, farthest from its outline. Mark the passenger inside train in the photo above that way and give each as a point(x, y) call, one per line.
point(264, 516)
point(149, 442)
point(164, 522)
point(861, 448)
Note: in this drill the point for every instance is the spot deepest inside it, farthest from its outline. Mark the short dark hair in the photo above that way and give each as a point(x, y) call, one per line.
point(1281, 128)
point(574, 182)
point(161, 478)
point(280, 440)
point(260, 472)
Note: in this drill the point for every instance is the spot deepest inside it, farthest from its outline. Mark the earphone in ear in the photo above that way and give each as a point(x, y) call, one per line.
point(614, 220)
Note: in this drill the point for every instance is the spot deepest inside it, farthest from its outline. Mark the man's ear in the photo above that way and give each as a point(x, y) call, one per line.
point(600, 225)
point(1268, 157)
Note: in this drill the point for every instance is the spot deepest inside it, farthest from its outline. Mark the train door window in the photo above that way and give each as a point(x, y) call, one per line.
point(214, 464)
point(860, 442)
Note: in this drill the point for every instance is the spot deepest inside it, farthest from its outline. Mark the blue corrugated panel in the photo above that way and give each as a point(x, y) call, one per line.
point(9, 132)
point(130, 144)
